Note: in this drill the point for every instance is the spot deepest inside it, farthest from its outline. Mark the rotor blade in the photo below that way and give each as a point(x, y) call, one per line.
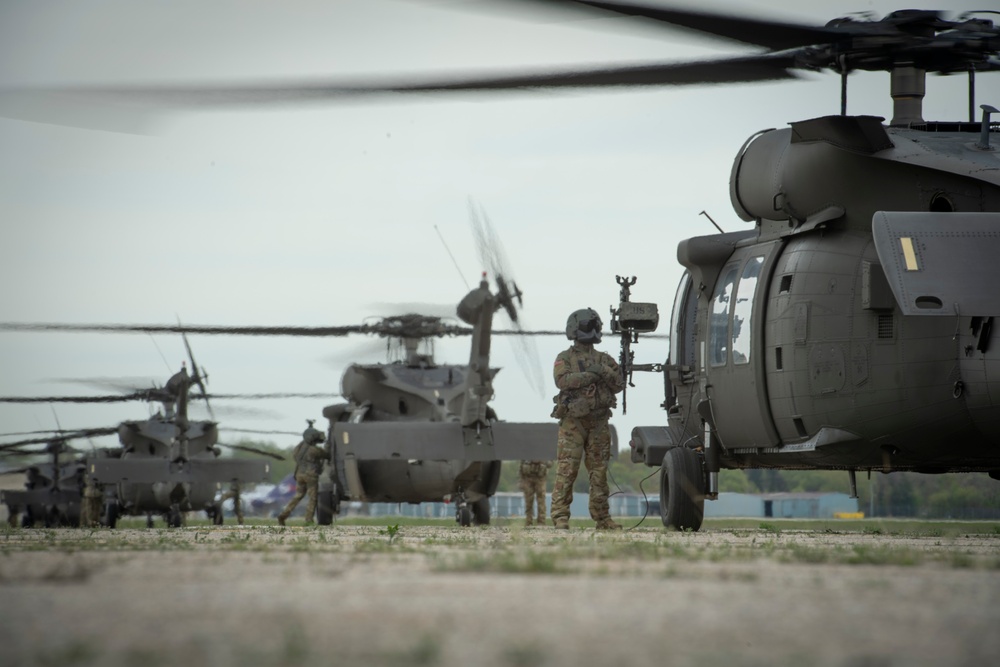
point(254, 450)
point(764, 67)
point(124, 385)
point(210, 330)
point(117, 398)
point(62, 438)
point(268, 396)
point(250, 430)
point(774, 35)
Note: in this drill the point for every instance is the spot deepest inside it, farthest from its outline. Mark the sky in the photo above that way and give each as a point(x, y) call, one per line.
point(330, 214)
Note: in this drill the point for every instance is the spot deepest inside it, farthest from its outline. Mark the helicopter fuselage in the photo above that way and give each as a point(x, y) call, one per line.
point(797, 345)
point(156, 439)
point(404, 393)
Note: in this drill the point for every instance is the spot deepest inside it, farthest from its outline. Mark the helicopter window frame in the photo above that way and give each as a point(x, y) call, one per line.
point(682, 323)
point(741, 329)
point(719, 317)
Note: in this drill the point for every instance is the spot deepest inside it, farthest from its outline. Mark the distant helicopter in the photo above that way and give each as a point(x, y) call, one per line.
point(53, 486)
point(167, 465)
point(411, 430)
point(418, 431)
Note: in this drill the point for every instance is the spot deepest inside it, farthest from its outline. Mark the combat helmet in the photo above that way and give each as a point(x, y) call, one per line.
point(312, 435)
point(584, 325)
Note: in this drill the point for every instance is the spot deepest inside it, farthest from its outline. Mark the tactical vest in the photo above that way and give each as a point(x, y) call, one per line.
point(594, 400)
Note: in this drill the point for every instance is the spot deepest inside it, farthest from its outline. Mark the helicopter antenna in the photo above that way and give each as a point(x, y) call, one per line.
point(453, 261)
point(704, 213)
point(157, 346)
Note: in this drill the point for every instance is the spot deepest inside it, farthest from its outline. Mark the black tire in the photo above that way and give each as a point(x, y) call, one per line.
point(464, 516)
point(324, 508)
point(174, 517)
point(149, 521)
point(110, 517)
point(27, 519)
point(481, 512)
point(682, 489)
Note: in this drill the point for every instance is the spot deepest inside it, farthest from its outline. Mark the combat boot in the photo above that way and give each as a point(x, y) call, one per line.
point(561, 523)
point(281, 519)
point(608, 524)
point(527, 522)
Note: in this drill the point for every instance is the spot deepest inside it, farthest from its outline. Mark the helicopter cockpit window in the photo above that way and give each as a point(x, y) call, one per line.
point(743, 310)
point(718, 326)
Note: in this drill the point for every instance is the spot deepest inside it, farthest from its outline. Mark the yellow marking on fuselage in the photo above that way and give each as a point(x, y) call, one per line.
point(909, 254)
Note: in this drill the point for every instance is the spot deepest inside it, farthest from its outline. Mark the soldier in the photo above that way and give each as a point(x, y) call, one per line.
point(588, 381)
point(234, 494)
point(533, 474)
point(308, 465)
point(92, 504)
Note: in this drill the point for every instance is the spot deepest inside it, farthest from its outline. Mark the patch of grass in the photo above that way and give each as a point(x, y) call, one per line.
point(769, 528)
point(524, 655)
point(77, 652)
point(391, 532)
point(528, 561)
point(863, 554)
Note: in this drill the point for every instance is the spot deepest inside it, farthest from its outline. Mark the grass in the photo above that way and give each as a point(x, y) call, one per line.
point(513, 549)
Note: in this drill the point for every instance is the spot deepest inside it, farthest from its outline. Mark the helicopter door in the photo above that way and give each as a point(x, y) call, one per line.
point(734, 366)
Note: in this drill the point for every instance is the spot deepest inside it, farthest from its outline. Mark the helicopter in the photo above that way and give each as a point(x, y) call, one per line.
point(418, 431)
point(411, 430)
point(53, 488)
point(851, 327)
point(167, 465)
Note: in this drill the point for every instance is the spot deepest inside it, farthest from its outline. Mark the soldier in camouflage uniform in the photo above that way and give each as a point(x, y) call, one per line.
point(533, 474)
point(309, 459)
point(588, 381)
point(91, 504)
point(234, 494)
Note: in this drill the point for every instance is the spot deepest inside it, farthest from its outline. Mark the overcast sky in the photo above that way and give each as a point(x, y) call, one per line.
point(321, 215)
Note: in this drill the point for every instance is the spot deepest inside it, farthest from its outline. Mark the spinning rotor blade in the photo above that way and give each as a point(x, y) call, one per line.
point(192, 329)
point(913, 38)
point(119, 398)
point(250, 430)
point(774, 35)
point(494, 258)
point(254, 450)
point(72, 435)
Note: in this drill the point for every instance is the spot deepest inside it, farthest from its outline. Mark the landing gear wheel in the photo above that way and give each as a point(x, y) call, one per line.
point(464, 516)
point(326, 508)
point(216, 514)
point(682, 489)
point(27, 519)
point(149, 521)
point(110, 518)
point(481, 511)
point(174, 517)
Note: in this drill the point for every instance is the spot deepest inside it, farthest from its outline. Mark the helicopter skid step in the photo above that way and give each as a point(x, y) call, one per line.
point(501, 441)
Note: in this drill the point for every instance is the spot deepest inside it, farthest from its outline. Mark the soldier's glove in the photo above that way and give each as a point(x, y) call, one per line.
point(604, 372)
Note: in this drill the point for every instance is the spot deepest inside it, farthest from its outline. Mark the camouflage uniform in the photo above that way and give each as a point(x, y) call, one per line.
point(533, 474)
point(588, 381)
point(234, 494)
point(308, 465)
point(91, 505)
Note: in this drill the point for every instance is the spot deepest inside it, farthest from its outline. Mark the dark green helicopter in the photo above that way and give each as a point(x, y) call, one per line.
point(55, 477)
point(167, 465)
point(411, 430)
